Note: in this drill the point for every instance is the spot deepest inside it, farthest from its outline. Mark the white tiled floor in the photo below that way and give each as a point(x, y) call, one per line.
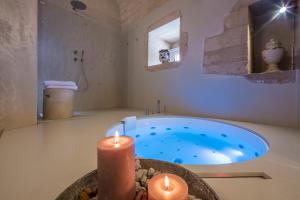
point(39, 162)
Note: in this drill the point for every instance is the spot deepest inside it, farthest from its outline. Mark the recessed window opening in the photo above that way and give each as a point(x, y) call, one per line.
point(164, 44)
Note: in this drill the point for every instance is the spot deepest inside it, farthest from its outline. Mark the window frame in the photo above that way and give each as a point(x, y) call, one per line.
point(182, 42)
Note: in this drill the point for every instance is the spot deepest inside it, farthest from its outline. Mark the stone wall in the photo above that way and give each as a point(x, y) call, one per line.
point(134, 10)
point(18, 63)
point(227, 53)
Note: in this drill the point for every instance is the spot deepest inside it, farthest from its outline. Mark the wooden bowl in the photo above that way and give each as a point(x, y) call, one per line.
point(197, 187)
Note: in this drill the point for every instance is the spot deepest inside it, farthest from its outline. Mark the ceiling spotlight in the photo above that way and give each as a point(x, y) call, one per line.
point(283, 9)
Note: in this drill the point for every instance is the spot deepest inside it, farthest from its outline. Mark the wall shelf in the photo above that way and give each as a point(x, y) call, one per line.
point(279, 77)
point(270, 29)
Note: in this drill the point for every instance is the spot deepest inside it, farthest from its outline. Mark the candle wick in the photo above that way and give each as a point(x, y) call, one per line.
point(117, 139)
point(167, 188)
point(117, 144)
point(167, 183)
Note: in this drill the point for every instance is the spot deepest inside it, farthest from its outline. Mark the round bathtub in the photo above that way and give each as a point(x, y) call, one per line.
point(194, 141)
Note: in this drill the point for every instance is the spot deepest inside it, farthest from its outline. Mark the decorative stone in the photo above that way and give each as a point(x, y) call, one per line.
point(144, 180)
point(138, 186)
point(151, 172)
point(143, 188)
point(140, 173)
point(141, 195)
point(146, 184)
point(137, 164)
point(156, 173)
point(88, 191)
point(83, 196)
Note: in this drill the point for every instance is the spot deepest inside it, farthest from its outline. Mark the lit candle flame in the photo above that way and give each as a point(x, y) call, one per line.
point(167, 183)
point(117, 139)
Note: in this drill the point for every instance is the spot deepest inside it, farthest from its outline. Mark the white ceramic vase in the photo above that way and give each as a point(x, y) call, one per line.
point(272, 57)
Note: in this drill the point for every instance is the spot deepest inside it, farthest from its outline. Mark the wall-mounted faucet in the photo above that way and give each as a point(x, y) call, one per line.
point(158, 106)
point(123, 124)
point(148, 111)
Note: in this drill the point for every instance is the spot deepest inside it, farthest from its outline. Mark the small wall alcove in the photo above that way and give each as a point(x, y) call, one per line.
point(166, 43)
point(272, 28)
point(258, 42)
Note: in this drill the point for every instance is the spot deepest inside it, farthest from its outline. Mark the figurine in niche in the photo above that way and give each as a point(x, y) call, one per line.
point(272, 55)
point(164, 56)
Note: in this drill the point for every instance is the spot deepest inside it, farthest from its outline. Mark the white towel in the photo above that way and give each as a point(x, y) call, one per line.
point(61, 87)
point(59, 83)
point(130, 123)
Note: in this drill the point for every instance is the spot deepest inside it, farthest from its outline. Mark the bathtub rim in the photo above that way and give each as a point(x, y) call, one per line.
point(259, 136)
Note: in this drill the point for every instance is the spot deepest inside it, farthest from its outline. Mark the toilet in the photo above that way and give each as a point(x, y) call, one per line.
point(58, 99)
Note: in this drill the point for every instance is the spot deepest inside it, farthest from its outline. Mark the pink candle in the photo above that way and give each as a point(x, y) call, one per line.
point(116, 168)
point(167, 187)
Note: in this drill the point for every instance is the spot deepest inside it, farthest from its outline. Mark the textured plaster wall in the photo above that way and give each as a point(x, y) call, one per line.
point(97, 32)
point(133, 10)
point(18, 63)
point(188, 90)
point(297, 60)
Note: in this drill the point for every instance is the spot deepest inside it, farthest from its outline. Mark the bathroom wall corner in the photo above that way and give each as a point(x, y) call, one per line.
point(297, 59)
point(18, 63)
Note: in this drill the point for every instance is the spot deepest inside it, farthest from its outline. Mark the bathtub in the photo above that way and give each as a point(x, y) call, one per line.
point(192, 141)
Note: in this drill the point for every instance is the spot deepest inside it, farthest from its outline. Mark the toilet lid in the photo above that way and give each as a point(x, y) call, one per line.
point(60, 84)
point(61, 87)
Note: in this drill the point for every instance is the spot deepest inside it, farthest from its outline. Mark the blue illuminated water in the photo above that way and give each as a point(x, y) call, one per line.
point(195, 143)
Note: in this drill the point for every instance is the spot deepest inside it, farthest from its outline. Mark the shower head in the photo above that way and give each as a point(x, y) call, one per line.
point(78, 5)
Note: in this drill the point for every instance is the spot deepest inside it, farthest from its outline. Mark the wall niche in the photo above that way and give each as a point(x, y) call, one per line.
point(165, 43)
point(272, 32)
point(258, 42)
